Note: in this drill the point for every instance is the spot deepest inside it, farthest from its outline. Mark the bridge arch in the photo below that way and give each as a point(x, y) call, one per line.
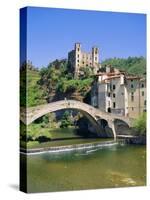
point(91, 119)
point(34, 113)
point(93, 114)
point(121, 127)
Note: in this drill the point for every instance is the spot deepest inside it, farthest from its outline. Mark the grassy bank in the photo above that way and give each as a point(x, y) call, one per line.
point(35, 132)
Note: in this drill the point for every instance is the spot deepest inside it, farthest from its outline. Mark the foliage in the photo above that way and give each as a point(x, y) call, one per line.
point(31, 93)
point(132, 65)
point(48, 120)
point(22, 88)
point(44, 129)
point(87, 72)
point(66, 120)
point(56, 80)
point(22, 131)
point(39, 130)
point(74, 85)
point(51, 75)
point(140, 125)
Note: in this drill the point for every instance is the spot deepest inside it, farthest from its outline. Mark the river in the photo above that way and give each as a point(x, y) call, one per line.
point(115, 166)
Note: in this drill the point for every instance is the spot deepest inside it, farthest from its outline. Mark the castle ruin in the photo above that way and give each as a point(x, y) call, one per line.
point(79, 59)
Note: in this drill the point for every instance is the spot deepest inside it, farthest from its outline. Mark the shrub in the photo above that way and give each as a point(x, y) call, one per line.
point(140, 125)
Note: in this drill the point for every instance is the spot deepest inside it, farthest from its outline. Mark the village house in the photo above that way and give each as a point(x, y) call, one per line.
point(119, 93)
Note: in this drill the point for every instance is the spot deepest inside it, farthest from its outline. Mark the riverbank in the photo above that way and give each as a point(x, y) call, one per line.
point(37, 135)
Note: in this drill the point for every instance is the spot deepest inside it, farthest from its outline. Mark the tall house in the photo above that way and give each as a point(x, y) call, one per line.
point(79, 60)
point(119, 93)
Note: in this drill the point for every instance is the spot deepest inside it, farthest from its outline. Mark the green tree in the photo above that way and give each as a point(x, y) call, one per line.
point(31, 93)
point(132, 65)
point(66, 120)
point(87, 72)
point(140, 125)
point(48, 120)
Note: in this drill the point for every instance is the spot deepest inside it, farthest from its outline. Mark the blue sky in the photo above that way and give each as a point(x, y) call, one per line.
point(51, 33)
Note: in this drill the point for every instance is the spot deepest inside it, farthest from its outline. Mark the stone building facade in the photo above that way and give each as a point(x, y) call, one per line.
point(118, 93)
point(79, 59)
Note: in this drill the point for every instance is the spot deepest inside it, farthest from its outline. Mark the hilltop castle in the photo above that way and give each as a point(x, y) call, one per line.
point(79, 60)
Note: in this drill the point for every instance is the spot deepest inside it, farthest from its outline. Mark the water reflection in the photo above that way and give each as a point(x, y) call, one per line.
point(117, 166)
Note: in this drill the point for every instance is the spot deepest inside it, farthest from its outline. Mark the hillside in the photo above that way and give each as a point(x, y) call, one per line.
point(31, 93)
point(132, 65)
point(56, 82)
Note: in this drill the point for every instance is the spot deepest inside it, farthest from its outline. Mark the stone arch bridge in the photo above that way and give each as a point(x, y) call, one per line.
point(29, 115)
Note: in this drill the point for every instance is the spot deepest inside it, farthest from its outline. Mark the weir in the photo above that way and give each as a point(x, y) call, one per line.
point(73, 147)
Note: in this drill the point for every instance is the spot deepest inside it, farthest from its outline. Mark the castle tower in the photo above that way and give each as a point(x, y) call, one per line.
point(95, 59)
point(79, 59)
point(77, 49)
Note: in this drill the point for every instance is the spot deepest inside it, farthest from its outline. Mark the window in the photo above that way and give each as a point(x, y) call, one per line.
point(114, 105)
point(142, 93)
point(78, 55)
point(83, 63)
point(109, 110)
point(95, 58)
point(132, 86)
point(145, 103)
point(122, 93)
point(108, 94)
point(78, 61)
point(78, 49)
point(142, 85)
point(131, 80)
point(132, 108)
point(114, 87)
point(132, 96)
point(114, 95)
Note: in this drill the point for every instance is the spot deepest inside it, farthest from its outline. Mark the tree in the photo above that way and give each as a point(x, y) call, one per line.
point(132, 65)
point(140, 125)
point(48, 120)
point(87, 72)
point(66, 120)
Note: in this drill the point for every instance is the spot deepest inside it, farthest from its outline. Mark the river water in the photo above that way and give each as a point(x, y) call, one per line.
point(115, 166)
